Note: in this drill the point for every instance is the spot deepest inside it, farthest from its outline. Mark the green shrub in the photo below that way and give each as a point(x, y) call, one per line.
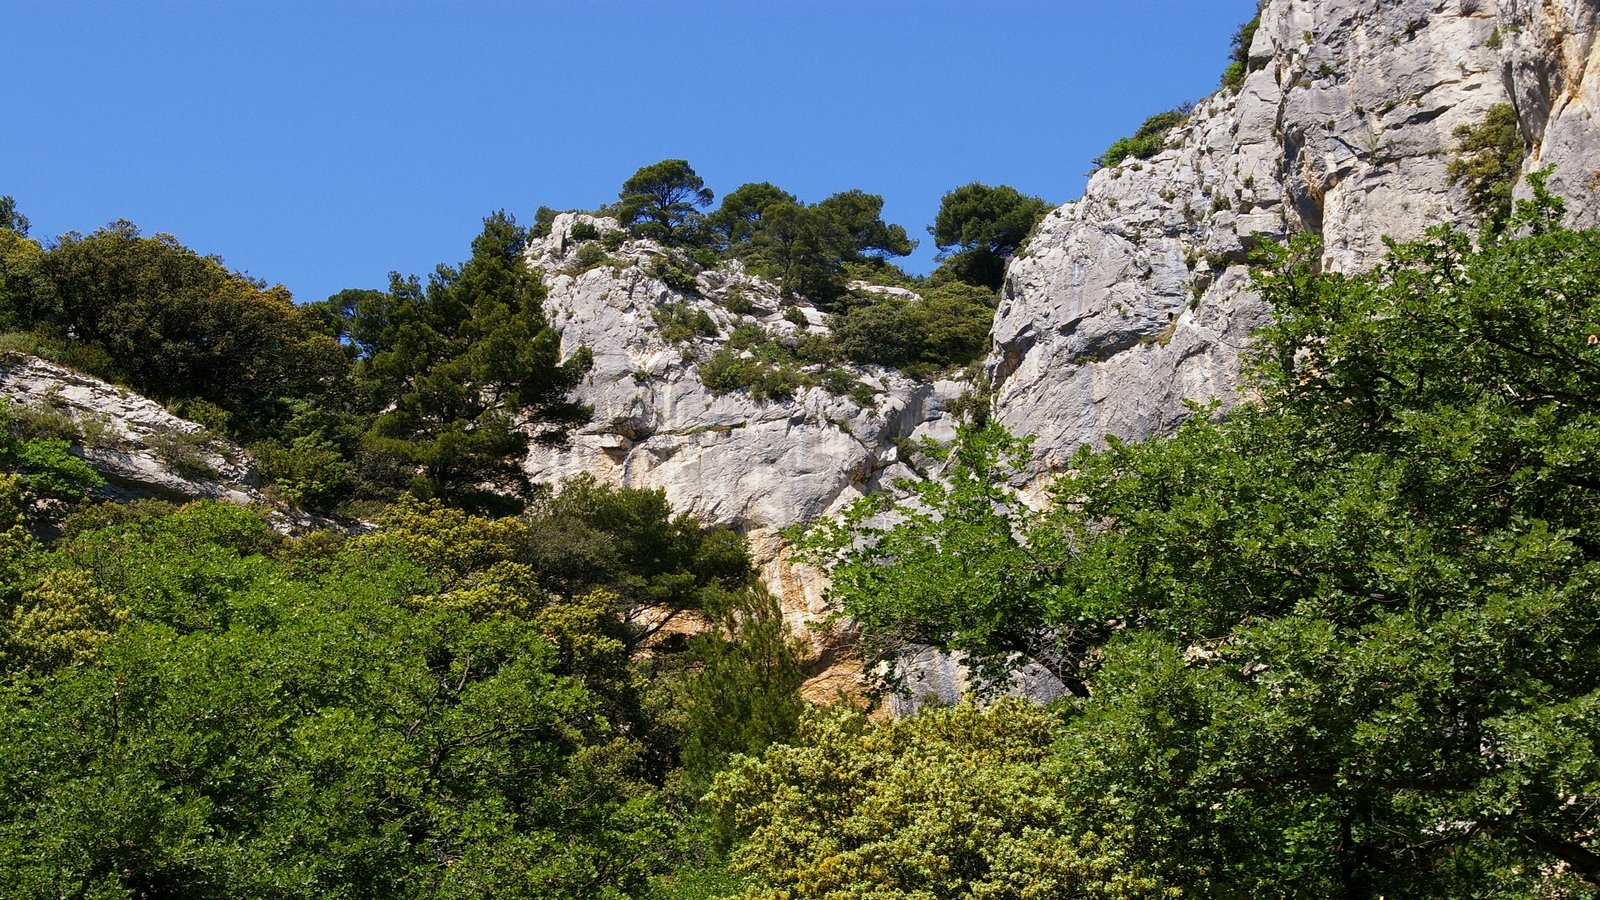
point(590, 256)
point(794, 315)
point(311, 472)
point(613, 240)
point(724, 372)
point(1149, 140)
point(680, 322)
point(1239, 59)
point(184, 452)
point(671, 271)
point(738, 303)
point(584, 231)
point(947, 328)
point(1488, 161)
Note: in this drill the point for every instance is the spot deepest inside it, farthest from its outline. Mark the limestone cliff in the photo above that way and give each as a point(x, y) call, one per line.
point(1126, 302)
point(727, 458)
point(140, 448)
point(1135, 297)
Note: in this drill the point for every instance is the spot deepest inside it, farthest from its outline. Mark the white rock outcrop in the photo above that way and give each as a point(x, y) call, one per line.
point(134, 443)
point(728, 459)
point(1135, 298)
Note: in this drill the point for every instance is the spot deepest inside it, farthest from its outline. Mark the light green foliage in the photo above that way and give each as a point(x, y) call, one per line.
point(679, 322)
point(1488, 162)
point(662, 201)
point(1147, 141)
point(448, 707)
point(44, 466)
point(966, 539)
point(979, 226)
point(952, 803)
point(61, 620)
point(1338, 642)
point(947, 328)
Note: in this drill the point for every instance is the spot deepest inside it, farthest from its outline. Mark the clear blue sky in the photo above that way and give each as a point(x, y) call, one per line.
point(323, 145)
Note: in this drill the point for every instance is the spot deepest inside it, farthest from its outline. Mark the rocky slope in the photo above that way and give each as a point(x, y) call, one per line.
point(728, 458)
point(140, 448)
point(1125, 303)
point(1135, 298)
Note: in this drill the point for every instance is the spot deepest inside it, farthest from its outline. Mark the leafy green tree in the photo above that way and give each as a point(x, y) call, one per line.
point(806, 248)
point(802, 249)
point(663, 200)
point(860, 215)
point(177, 325)
point(464, 368)
point(979, 226)
point(198, 707)
point(10, 219)
point(1336, 643)
point(1488, 163)
point(590, 536)
point(744, 692)
point(738, 220)
point(949, 804)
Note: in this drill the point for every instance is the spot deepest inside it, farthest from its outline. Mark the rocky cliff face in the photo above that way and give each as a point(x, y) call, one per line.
point(134, 443)
point(1126, 302)
point(728, 459)
point(1135, 298)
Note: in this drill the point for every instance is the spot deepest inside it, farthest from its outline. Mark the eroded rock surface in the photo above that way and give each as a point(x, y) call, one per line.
point(140, 448)
point(1135, 298)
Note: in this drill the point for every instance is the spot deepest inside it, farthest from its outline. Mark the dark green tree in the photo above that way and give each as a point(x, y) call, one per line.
point(663, 201)
point(738, 220)
point(860, 215)
point(175, 325)
point(979, 227)
point(10, 218)
point(1339, 641)
point(465, 370)
point(1488, 163)
point(802, 249)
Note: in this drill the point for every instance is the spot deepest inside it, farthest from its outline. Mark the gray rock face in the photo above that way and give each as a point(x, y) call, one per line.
point(1127, 302)
point(728, 459)
point(134, 443)
point(1134, 298)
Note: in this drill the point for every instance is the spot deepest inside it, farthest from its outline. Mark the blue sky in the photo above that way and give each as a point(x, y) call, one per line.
point(323, 145)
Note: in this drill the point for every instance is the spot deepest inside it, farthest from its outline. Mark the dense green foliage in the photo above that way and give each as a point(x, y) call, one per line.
point(805, 248)
point(434, 388)
point(1147, 141)
point(150, 313)
point(663, 201)
point(449, 706)
point(453, 371)
point(950, 803)
point(979, 227)
point(1488, 162)
point(947, 328)
point(1336, 643)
